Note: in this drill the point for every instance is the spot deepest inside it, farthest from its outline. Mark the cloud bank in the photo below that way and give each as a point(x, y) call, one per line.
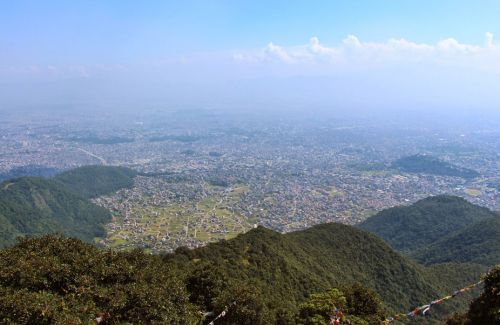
point(354, 52)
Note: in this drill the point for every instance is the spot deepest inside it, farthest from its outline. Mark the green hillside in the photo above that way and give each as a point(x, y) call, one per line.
point(93, 181)
point(34, 206)
point(416, 226)
point(431, 165)
point(261, 277)
point(285, 269)
point(478, 243)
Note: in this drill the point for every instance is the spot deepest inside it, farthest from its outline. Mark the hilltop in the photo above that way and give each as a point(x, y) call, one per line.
point(286, 268)
point(414, 227)
point(93, 181)
point(431, 165)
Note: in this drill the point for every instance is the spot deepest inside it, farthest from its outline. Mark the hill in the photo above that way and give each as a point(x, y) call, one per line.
point(431, 165)
point(425, 222)
point(261, 277)
point(93, 181)
point(478, 243)
point(285, 269)
point(34, 206)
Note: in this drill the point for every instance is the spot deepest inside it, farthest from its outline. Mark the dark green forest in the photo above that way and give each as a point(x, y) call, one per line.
point(261, 277)
point(94, 181)
point(432, 165)
point(35, 206)
point(410, 228)
point(478, 243)
point(31, 206)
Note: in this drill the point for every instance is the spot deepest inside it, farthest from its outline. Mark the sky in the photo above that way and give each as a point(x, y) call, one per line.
point(395, 54)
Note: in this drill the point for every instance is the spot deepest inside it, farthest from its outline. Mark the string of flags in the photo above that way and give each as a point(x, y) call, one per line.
point(223, 313)
point(337, 316)
point(422, 310)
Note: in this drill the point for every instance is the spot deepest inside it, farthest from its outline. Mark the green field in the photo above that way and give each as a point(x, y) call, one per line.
point(163, 228)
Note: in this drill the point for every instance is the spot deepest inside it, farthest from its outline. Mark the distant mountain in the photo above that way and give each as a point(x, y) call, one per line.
point(425, 222)
point(93, 181)
point(286, 268)
point(35, 206)
point(477, 243)
point(431, 165)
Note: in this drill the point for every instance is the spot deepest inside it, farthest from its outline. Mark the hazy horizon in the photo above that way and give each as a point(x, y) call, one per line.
point(416, 56)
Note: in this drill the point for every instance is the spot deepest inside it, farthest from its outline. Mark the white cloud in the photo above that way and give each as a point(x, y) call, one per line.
point(279, 52)
point(489, 40)
point(353, 51)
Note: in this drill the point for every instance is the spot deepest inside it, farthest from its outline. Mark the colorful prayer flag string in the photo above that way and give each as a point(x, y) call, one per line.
point(223, 313)
point(425, 308)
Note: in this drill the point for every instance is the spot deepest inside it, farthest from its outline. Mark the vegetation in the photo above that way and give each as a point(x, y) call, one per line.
point(414, 227)
point(431, 165)
point(356, 304)
point(64, 281)
point(93, 181)
point(478, 243)
point(486, 308)
point(35, 206)
point(285, 269)
point(261, 277)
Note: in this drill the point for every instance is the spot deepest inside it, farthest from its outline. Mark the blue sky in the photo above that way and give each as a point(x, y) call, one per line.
point(112, 31)
point(198, 42)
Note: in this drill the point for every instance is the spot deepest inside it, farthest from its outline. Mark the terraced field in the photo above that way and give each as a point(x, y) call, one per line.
point(162, 228)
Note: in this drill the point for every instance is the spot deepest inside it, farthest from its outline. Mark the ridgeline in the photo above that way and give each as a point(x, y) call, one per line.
point(34, 206)
point(414, 227)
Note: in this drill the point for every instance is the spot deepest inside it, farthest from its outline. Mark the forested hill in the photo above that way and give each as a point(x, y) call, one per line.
point(35, 206)
point(409, 228)
point(261, 277)
point(432, 165)
point(478, 243)
point(93, 181)
point(285, 269)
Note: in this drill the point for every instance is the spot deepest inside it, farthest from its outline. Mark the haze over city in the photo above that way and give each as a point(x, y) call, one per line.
point(326, 55)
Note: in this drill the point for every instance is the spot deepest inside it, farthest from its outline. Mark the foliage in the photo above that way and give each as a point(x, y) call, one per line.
point(478, 243)
point(357, 304)
point(320, 307)
point(286, 269)
point(431, 165)
point(57, 280)
point(93, 181)
point(35, 206)
point(486, 308)
point(414, 227)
